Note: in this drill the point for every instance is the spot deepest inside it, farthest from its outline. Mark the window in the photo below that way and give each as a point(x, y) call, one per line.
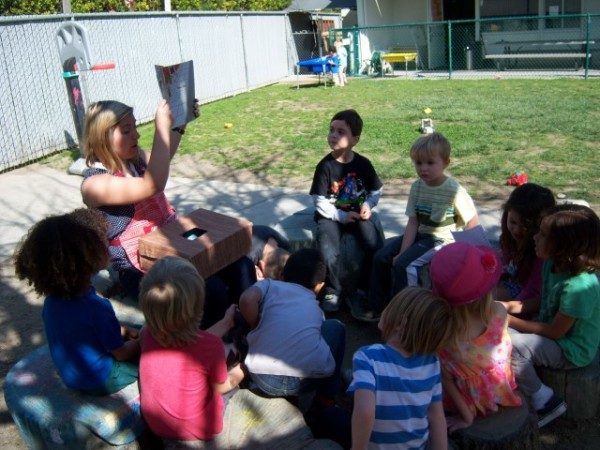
point(556, 9)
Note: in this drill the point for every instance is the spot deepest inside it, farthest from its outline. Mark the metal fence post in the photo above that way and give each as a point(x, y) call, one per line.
point(179, 37)
point(587, 46)
point(355, 45)
point(244, 52)
point(449, 50)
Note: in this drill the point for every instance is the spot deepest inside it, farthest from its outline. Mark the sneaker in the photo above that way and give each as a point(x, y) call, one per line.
point(330, 302)
point(553, 408)
point(359, 311)
point(364, 315)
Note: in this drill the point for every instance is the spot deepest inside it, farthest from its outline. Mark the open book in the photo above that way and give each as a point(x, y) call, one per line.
point(176, 84)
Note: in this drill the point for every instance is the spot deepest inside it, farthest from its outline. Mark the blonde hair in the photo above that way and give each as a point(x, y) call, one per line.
point(482, 309)
point(418, 321)
point(172, 300)
point(430, 145)
point(274, 263)
point(100, 120)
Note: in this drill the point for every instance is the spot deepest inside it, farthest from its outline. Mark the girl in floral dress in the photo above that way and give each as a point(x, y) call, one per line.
point(476, 368)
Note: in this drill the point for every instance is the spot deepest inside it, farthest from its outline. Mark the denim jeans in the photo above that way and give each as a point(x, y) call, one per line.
point(334, 333)
point(387, 278)
point(329, 235)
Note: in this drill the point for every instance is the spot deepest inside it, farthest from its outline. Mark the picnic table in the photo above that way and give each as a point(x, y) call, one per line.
point(544, 49)
point(401, 57)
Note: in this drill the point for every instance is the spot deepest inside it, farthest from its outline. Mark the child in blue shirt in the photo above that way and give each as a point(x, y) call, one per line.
point(89, 347)
point(397, 386)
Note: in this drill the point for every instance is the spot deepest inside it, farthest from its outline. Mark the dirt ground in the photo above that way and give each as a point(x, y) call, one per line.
point(21, 325)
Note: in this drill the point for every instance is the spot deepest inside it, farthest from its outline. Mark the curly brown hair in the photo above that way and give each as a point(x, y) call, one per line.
point(60, 253)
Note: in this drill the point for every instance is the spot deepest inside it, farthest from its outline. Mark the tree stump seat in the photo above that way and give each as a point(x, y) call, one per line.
point(301, 230)
point(252, 422)
point(579, 388)
point(509, 428)
point(49, 415)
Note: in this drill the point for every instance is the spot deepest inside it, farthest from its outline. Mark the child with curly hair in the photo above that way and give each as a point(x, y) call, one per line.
point(89, 348)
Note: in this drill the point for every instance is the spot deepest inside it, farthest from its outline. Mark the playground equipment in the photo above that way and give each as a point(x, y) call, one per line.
point(317, 66)
point(75, 57)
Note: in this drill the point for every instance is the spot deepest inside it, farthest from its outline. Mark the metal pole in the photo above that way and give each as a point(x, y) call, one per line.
point(167, 5)
point(66, 6)
point(449, 50)
point(587, 46)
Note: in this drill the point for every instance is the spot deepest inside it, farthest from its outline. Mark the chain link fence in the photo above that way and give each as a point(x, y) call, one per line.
point(513, 47)
point(232, 53)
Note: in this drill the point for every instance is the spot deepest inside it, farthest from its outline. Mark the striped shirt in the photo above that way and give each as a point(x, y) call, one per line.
point(440, 209)
point(404, 389)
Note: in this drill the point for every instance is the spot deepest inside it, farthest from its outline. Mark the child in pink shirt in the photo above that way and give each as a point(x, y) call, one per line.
point(183, 372)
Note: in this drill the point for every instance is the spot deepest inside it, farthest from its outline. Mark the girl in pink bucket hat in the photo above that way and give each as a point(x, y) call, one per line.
point(476, 367)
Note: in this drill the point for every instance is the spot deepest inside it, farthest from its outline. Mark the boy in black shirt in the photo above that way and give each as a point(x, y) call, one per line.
point(345, 188)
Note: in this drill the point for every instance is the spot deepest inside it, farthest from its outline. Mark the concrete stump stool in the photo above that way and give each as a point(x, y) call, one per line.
point(509, 428)
point(252, 422)
point(301, 230)
point(579, 388)
point(49, 415)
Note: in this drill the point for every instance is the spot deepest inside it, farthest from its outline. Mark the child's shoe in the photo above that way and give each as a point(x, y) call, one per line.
point(330, 302)
point(358, 309)
point(553, 408)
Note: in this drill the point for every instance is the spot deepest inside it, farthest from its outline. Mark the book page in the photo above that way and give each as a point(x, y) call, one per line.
point(474, 236)
point(176, 85)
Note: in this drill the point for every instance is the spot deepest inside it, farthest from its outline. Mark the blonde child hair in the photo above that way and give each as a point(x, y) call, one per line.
point(172, 300)
point(482, 309)
point(430, 145)
point(476, 363)
point(100, 120)
point(415, 325)
point(417, 320)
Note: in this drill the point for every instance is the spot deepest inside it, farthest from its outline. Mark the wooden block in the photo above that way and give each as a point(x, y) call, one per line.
point(211, 241)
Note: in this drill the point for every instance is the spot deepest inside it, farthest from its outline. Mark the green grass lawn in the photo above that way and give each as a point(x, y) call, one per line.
point(548, 128)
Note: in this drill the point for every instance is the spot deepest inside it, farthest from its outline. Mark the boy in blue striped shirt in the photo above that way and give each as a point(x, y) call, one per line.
point(397, 386)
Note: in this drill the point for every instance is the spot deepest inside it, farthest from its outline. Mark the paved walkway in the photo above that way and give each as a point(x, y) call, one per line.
point(33, 192)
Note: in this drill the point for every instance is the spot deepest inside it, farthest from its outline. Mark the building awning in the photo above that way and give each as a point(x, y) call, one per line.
point(317, 5)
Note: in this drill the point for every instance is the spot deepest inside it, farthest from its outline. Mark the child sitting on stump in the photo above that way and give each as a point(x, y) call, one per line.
point(345, 189)
point(183, 372)
point(566, 333)
point(521, 283)
point(437, 206)
point(291, 347)
point(88, 346)
point(476, 364)
point(397, 386)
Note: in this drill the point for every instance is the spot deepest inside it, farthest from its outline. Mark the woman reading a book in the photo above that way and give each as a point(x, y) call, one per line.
point(127, 185)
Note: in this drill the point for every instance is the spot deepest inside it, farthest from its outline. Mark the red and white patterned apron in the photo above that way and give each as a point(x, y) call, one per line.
point(148, 215)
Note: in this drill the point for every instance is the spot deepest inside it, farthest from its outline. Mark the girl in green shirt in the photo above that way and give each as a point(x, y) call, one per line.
point(566, 333)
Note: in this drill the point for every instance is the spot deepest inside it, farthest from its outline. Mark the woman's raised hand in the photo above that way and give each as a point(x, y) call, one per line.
point(163, 118)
